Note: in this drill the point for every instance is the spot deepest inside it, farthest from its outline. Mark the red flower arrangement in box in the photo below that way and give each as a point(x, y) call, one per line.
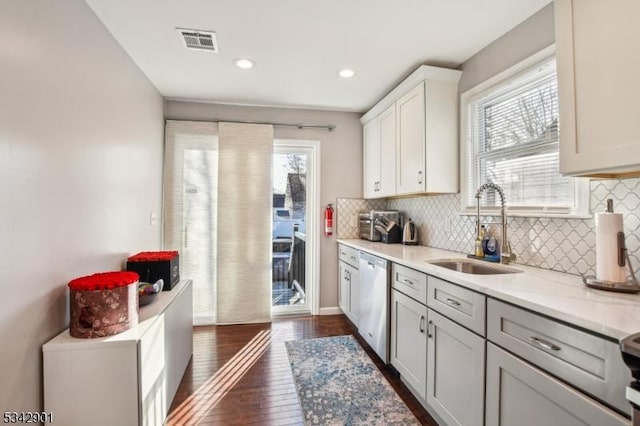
point(103, 281)
point(153, 256)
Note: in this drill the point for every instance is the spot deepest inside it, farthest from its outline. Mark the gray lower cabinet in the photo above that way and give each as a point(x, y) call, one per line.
point(349, 290)
point(523, 395)
point(588, 362)
point(455, 371)
point(409, 341)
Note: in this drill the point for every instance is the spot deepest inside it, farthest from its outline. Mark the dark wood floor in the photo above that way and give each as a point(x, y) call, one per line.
point(240, 374)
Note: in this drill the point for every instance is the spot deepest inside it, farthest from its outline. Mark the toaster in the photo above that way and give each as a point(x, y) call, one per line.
point(368, 219)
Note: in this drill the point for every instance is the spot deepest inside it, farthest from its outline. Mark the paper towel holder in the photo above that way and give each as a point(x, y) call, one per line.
point(629, 286)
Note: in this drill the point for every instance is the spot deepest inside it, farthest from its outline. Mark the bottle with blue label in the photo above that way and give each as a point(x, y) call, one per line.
point(491, 244)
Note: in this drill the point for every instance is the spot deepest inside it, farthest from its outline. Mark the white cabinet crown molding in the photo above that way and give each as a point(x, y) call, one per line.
point(424, 72)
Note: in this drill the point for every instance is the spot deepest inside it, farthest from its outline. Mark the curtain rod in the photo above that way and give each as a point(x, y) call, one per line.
point(329, 127)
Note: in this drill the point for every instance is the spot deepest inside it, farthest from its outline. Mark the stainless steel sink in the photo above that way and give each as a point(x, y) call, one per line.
point(473, 267)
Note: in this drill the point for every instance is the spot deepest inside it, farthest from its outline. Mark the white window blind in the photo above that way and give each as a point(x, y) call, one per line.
point(190, 208)
point(217, 214)
point(512, 140)
point(245, 203)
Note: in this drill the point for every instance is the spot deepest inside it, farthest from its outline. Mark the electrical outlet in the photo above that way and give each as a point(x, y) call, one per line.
point(447, 225)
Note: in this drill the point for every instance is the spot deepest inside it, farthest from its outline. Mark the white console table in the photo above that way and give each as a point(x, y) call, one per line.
point(126, 379)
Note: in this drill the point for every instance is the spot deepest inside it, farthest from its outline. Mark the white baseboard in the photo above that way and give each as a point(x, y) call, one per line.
point(334, 310)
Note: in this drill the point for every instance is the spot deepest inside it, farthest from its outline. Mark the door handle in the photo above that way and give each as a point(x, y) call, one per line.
point(420, 177)
point(429, 329)
point(544, 344)
point(421, 323)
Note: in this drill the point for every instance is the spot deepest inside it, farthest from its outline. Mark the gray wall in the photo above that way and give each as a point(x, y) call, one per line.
point(340, 165)
point(529, 37)
point(81, 133)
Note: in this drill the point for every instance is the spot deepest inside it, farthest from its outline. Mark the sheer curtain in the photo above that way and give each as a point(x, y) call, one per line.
point(217, 213)
point(190, 214)
point(244, 219)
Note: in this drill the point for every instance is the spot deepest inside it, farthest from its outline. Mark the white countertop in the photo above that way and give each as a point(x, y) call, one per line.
point(555, 294)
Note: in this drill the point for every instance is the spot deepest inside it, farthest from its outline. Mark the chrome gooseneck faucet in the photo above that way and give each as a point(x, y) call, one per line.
point(505, 250)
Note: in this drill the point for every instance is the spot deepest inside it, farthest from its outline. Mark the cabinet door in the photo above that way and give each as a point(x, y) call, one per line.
point(354, 294)
point(520, 394)
point(409, 341)
point(371, 159)
point(95, 385)
point(387, 156)
point(152, 368)
point(178, 324)
point(455, 372)
point(410, 141)
point(343, 291)
point(598, 57)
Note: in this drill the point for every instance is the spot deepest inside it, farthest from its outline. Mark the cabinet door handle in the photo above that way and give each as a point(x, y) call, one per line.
point(452, 302)
point(429, 329)
point(544, 344)
point(420, 177)
point(422, 318)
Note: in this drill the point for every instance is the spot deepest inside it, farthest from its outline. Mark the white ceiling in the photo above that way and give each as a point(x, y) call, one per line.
point(299, 45)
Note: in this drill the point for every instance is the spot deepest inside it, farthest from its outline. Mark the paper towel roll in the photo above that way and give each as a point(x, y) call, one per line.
point(607, 227)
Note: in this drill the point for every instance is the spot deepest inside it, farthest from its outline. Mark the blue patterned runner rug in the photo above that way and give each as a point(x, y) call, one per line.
point(338, 384)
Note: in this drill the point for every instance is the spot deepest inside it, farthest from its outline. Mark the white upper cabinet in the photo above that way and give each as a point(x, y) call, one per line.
point(371, 159)
point(410, 146)
point(379, 155)
point(414, 133)
point(387, 130)
point(598, 57)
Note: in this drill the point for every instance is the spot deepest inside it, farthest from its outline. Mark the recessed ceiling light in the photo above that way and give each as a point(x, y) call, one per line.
point(244, 63)
point(346, 73)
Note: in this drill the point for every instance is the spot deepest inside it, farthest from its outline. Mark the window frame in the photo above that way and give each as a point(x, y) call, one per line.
point(580, 208)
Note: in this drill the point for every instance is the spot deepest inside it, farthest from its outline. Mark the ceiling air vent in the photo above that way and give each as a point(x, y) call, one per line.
point(199, 40)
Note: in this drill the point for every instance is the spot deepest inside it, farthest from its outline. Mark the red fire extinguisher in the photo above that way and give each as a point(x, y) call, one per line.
point(328, 220)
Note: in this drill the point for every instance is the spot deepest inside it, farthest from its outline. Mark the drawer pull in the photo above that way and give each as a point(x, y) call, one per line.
point(407, 281)
point(429, 326)
point(544, 344)
point(421, 323)
point(452, 302)
point(353, 257)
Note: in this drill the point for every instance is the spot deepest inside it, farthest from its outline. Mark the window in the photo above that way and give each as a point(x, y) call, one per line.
point(510, 137)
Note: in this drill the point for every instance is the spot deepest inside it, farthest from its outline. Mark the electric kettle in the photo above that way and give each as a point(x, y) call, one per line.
point(410, 233)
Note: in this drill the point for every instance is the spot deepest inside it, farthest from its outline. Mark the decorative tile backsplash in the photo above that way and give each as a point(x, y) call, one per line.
point(565, 245)
point(347, 210)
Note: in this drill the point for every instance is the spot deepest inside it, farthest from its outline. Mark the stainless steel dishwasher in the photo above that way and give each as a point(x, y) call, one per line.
point(373, 317)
